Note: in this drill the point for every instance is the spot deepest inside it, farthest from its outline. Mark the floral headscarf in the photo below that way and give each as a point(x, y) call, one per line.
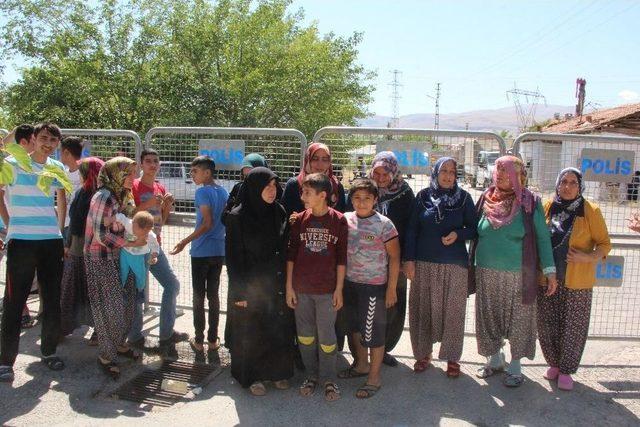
point(306, 169)
point(89, 168)
point(389, 162)
point(436, 197)
point(112, 177)
point(501, 206)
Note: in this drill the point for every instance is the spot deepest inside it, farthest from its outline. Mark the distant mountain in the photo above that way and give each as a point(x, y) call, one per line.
point(480, 120)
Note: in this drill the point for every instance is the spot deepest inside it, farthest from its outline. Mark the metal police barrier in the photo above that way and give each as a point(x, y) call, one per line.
point(177, 146)
point(107, 143)
point(353, 149)
point(610, 168)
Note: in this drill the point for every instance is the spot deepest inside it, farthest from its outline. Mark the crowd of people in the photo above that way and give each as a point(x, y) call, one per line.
point(308, 264)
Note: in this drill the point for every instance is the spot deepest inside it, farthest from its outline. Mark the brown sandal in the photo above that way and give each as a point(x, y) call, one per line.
point(331, 392)
point(453, 369)
point(422, 365)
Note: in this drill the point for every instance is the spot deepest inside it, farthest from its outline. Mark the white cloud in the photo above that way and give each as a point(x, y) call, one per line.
point(629, 95)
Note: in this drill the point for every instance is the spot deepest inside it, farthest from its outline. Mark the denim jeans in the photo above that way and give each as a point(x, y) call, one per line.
point(170, 288)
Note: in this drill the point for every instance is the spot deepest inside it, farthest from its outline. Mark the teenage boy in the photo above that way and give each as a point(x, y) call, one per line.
point(207, 251)
point(151, 196)
point(373, 264)
point(316, 263)
point(70, 154)
point(22, 135)
point(35, 243)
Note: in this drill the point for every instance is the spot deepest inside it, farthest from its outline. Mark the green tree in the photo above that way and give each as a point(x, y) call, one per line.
point(145, 63)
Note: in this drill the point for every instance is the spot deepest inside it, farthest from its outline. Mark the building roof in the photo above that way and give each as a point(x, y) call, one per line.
point(596, 121)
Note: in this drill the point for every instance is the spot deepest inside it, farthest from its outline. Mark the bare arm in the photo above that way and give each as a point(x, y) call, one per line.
point(61, 207)
point(4, 212)
point(205, 226)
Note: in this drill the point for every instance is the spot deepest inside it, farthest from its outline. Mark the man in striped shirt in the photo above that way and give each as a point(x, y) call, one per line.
point(34, 243)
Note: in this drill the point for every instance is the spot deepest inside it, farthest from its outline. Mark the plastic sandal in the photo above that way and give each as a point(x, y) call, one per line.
point(369, 390)
point(422, 365)
point(512, 380)
point(281, 384)
point(308, 387)
point(487, 371)
point(331, 392)
point(453, 369)
point(258, 389)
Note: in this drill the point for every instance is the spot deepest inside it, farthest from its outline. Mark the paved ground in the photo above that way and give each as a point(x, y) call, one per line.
point(607, 393)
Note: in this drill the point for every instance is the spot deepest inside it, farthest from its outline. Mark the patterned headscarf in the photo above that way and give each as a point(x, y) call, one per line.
point(501, 206)
point(389, 162)
point(112, 177)
point(441, 198)
point(563, 213)
point(89, 168)
point(306, 169)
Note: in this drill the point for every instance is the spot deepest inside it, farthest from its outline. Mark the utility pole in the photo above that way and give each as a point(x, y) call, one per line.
point(395, 99)
point(526, 111)
point(436, 119)
point(580, 94)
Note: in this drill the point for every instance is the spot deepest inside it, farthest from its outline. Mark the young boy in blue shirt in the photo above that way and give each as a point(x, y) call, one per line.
point(207, 250)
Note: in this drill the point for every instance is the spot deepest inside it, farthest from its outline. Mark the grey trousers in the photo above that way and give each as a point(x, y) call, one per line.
point(315, 323)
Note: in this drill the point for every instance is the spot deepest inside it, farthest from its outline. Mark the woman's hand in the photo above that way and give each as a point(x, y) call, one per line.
point(634, 222)
point(242, 304)
point(577, 256)
point(450, 238)
point(409, 268)
point(552, 285)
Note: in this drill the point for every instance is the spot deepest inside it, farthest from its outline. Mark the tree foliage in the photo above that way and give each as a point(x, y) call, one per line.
point(143, 63)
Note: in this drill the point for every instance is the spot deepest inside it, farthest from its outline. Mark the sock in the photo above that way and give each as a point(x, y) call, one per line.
point(514, 367)
point(495, 360)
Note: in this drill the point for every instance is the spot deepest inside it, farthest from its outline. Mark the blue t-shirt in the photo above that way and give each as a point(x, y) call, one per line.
point(212, 242)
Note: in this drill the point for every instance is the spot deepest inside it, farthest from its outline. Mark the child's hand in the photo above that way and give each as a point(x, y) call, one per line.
point(153, 259)
point(292, 299)
point(391, 298)
point(2, 245)
point(178, 248)
point(293, 217)
point(634, 222)
point(168, 200)
point(337, 300)
point(409, 268)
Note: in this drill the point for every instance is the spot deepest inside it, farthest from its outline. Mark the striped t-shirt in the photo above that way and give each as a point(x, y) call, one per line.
point(32, 214)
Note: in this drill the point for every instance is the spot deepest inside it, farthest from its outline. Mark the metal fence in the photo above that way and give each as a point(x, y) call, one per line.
point(616, 310)
point(353, 148)
point(282, 148)
point(108, 143)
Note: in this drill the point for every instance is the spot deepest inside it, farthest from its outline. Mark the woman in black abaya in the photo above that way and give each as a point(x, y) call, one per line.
point(261, 334)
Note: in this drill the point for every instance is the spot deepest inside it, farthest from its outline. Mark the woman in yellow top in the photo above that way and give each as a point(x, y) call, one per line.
point(580, 240)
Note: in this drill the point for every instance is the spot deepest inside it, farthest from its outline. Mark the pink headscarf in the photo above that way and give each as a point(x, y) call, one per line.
point(306, 168)
point(501, 206)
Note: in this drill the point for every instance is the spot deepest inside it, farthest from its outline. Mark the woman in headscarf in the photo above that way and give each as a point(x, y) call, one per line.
point(443, 218)
point(75, 309)
point(395, 201)
point(513, 240)
point(112, 302)
point(580, 239)
point(261, 332)
point(250, 161)
point(317, 159)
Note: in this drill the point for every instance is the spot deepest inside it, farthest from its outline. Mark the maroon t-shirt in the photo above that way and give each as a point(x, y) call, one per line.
point(317, 245)
point(142, 193)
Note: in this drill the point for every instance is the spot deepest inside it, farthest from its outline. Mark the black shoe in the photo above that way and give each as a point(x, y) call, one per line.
point(389, 360)
point(138, 344)
point(6, 374)
point(175, 338)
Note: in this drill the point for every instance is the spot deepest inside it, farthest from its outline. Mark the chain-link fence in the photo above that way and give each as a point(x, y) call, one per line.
point(353, 149)
point(107, 143)
point(610, 168)
point(282, 148)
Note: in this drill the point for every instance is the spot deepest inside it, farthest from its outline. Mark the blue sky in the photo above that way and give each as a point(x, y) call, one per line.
point(478, 49)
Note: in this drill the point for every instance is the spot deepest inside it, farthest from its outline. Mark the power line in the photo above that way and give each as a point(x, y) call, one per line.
point(395, 99)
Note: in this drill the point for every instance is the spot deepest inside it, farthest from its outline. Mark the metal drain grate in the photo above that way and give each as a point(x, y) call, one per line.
point(146, 388)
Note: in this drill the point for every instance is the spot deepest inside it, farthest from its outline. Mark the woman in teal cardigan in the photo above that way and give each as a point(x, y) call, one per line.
point(513, 240)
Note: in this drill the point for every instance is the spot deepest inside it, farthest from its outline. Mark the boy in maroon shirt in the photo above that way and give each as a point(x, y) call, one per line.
point(316, 267)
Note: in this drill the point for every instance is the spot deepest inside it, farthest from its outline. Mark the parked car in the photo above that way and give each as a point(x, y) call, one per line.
point(176, 178)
